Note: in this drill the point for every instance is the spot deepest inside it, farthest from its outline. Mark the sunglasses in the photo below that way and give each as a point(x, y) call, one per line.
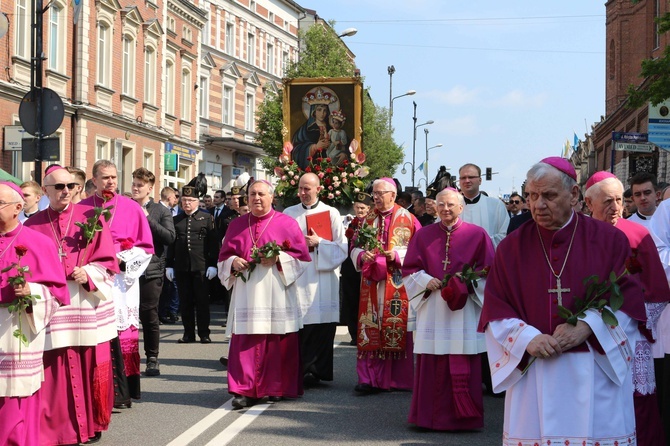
point(61, 186)
point(515, 201)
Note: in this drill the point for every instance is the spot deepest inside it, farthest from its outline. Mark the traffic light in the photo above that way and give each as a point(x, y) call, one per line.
point(489, 174)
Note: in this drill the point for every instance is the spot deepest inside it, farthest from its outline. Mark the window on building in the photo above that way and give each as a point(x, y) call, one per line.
point(102, 150)
point(185, 94)
point(204, 97)
point(227, 105)
point(249, 113)
point(657, 15)
point(149, 161)
point(56, 43)
point(104, 54)
point(207, 30)
point(270, 59)
point(251, 48)
point(284, 62)
point(171, 24)
point(271, 17)
point(128, 77)
point(611, 68)
point(252, 5)
point(169, 87)
point(150, 75)
point(22, 26)
point(230, 38)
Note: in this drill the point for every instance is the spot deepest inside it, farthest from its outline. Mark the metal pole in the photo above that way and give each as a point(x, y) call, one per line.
point(38, 15)
point(391, 70)
point(414, 143)
point(425, 166)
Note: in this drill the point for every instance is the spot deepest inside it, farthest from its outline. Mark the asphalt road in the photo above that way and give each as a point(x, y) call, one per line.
point(188, 404)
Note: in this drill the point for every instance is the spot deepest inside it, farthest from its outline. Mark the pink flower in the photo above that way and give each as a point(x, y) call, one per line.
point(331, 196)
point(321, 175)
point(292, 182)
point(338, 193)
point(284, 177)
point(360, 158)
point(288, 147)
point(330, 187)
point(344, 180)
point(335, 178)
point(279, 171)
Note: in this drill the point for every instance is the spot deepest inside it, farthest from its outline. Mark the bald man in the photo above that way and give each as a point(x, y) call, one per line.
point(318, 288)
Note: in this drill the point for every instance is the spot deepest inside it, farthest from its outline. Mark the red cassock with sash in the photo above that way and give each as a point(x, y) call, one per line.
point(264, 316)
point(384, 340)
point(585, 395)
point(127, 224)
point(447, 384)
point(21, 366)
point(656, 294)
point(77, 392)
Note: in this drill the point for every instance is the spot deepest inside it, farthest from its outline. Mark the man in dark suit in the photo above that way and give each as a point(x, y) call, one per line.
point(217, 292)
point(191, 260)
point(151, 282)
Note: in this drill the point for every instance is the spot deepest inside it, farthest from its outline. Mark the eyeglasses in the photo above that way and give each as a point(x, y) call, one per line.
point(61, 186)
point(515, 201)
point(380, 194)
point(7, 203)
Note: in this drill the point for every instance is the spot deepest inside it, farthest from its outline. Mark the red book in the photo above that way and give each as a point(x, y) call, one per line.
point(321, 224)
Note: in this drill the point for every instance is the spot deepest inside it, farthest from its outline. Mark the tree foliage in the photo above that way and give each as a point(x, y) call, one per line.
point(323, 55)
point(657, 71)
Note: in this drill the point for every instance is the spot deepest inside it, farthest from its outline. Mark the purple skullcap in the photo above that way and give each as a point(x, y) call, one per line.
point(598, 177)
point(15, 187)
point(53, 168)
point(453, 189)
point(561, 164)
point(390, 181)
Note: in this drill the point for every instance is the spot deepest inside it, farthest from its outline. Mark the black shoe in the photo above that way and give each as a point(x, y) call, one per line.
point(310, 379)
point(365, 389)
point(127, 405)
point(186, 340)
point(205, 340)
point(353, 342)
point(94, 439)
point(275, 399)
point(240, 402)
point(224, 361)
point(165, 320)
point(174, 318)
point(153, 368)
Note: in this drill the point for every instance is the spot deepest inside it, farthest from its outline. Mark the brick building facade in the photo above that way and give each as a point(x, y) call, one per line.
point(631, 37)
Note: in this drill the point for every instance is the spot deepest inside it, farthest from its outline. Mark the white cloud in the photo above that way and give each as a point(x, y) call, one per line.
point(463, 126)
point(517, 98)
point(458, 95)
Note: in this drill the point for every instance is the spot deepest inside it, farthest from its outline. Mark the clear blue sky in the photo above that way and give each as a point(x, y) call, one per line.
point(505, 82)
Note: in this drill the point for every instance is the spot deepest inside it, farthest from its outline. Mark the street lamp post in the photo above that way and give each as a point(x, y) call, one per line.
point(425, 167)
point(409, 93)
point(348, 32)
point(391, 71)
point(414, 140)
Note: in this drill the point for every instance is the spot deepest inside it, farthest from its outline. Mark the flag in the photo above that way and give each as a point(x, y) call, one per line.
point(421, 166)
point(76, 10)
point(575, 144)
point(566, 148)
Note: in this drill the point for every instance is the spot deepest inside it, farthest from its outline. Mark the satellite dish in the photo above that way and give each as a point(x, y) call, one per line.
point(4, 24)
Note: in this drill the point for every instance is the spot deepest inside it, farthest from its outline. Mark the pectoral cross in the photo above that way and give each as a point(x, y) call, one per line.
point(62, 254)
point(558, 290)
point(446, 262)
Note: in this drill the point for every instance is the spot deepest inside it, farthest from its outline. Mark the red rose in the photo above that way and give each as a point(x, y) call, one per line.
point(309, 158)
point(317, 168)
point(327, 181)
point(286, 245)
point(328, 159)
point(349, 232)
point(345, 162)
point(21, 250)
point(308, 169)
point(126, 244)
point(329, 170)
point(107, 195)
point(341, 169)
point(318, 160)
point(290, 163)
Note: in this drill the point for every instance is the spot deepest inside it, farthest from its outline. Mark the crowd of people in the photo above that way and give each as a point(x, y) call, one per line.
point(552, 299)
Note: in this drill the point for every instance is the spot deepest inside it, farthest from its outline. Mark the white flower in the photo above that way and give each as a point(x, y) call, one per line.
point(331, 196)
point(356, 189)
point(336, 178)
point(284, 177)
point(337, 192)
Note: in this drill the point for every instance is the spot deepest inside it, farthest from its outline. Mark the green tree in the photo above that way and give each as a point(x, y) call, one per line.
point(323, 55)
point(657, 73)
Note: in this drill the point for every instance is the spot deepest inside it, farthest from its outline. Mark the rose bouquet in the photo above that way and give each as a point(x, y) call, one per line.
point(21, 304)
point(339, 182)
point(267, 251)
point(92, 223)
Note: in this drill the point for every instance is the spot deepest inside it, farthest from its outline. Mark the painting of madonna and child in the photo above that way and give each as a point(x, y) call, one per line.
point(323, 116)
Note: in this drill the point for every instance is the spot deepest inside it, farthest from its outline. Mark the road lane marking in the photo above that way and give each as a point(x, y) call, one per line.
point(226, 435)
point(197, 429)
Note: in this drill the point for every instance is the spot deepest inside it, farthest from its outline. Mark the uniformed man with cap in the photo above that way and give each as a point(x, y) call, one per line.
point(350, 280)
point(431, 210)
point(191, 260)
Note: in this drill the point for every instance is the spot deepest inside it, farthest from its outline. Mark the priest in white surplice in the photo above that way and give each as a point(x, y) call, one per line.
point(481, 210)
point(579, 387)
point(264, 315)
point(318, 287)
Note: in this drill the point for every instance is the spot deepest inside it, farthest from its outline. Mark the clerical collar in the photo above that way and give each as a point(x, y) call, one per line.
point(58, 212)
point(27, 215)
point(306, 206)
point(264, 216)
point(384, 213)
point(642, 217)
point(453, 227)
point(474, 200)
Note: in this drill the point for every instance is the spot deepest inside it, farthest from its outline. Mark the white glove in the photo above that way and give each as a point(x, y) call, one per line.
point(211, 272)
point(169, 273)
